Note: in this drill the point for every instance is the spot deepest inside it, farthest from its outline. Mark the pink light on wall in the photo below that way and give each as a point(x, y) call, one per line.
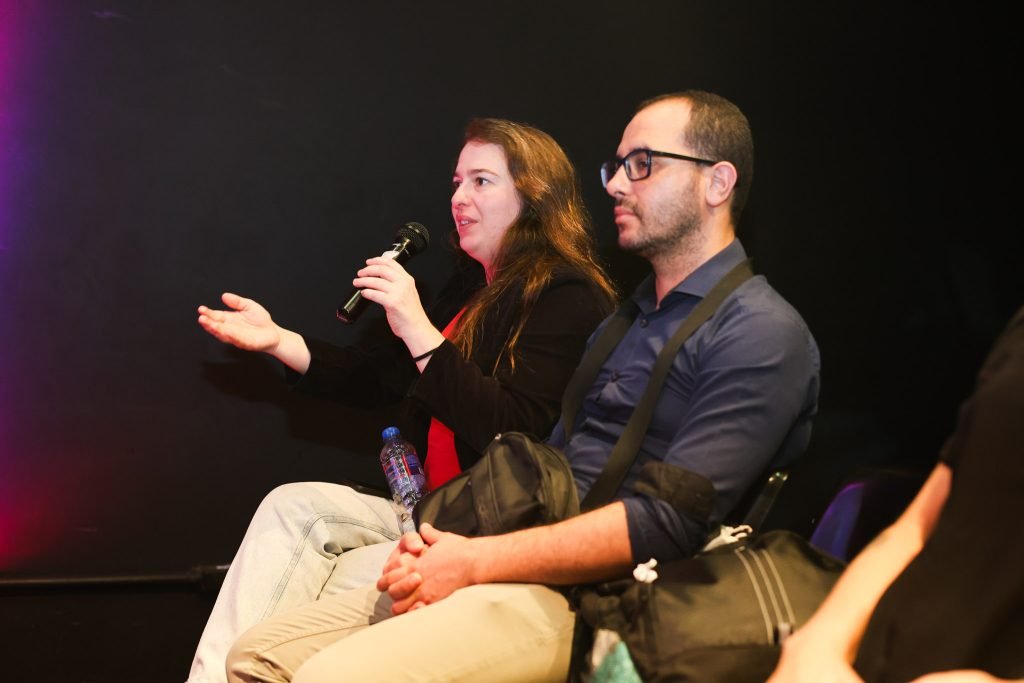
point(54, 469)
point(26, 527)
point(16, 508)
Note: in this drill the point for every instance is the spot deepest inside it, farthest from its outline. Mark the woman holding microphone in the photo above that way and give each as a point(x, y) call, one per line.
point(494, 355)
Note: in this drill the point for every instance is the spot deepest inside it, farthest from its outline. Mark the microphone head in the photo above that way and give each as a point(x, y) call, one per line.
point(417, 235)
point(411, 239)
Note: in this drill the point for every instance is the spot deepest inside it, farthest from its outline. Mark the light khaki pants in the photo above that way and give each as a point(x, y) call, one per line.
point(492, 632)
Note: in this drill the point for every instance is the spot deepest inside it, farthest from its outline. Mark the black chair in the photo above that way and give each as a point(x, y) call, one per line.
point(762, 504)
point(754, 506)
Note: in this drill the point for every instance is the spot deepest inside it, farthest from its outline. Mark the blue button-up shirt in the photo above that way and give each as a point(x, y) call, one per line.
point(739, 398)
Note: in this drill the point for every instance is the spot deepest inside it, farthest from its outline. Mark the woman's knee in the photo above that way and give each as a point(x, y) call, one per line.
point(309, 498)
point(297, 506)
point(290, 499)
point(331, 516)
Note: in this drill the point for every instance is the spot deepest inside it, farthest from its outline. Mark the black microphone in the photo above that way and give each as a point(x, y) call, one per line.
point(411, 239)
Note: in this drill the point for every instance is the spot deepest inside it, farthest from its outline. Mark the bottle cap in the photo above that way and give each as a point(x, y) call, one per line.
point(389, 433)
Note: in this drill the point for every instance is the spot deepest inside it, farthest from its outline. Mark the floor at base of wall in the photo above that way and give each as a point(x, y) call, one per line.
point(101, 635)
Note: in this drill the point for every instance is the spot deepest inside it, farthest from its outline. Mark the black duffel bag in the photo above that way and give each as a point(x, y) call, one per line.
point(717, 617)
point(518, 483)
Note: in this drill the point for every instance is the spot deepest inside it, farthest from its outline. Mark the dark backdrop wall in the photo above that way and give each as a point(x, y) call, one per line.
point(155, 154)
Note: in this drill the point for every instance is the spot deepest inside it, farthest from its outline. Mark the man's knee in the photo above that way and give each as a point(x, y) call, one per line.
point(239, 663)
point(245, 662)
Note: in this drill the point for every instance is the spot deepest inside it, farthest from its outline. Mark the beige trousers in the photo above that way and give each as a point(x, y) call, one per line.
point(492, 632)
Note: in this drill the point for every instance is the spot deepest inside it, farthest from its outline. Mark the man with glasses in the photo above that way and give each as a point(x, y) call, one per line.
point(738, 399)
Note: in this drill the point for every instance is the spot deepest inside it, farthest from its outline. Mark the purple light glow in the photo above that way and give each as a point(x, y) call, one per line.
point(834, 531)
point(14, 22)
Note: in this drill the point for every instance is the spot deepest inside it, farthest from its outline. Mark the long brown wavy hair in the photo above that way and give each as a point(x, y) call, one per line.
point(552, 231)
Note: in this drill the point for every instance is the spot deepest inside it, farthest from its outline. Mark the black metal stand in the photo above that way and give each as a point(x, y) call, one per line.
point(202, 576)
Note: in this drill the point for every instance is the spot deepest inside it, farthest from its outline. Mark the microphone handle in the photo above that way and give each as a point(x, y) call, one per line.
point(356, 304)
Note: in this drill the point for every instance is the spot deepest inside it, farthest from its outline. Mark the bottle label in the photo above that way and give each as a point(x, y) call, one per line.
point(405, 482)
point(412, 464)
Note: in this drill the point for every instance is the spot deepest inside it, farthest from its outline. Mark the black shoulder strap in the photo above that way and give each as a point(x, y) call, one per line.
point(590, 364)
point(624, 453)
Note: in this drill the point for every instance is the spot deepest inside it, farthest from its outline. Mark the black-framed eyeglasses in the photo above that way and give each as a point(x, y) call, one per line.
point(638, 164)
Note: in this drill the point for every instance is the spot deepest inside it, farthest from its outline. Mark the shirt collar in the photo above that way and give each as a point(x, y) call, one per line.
point(699, 282)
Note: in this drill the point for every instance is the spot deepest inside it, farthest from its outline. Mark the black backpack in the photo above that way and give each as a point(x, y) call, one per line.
point(518, 483)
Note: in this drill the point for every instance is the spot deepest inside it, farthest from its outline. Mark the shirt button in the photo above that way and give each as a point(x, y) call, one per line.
point(615, 376)
point(643, 322)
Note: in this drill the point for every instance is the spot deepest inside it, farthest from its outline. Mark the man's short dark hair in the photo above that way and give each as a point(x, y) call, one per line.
point(718, 130)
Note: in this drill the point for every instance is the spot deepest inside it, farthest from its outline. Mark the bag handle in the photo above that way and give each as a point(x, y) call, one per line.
point(626, 448)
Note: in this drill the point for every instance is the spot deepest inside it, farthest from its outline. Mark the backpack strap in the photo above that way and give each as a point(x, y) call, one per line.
point(626, 448)
point(591, 362)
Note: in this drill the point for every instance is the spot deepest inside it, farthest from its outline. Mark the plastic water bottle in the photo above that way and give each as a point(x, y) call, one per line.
point(404, 474)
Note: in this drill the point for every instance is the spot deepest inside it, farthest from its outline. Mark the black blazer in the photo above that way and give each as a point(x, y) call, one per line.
point(471, 396)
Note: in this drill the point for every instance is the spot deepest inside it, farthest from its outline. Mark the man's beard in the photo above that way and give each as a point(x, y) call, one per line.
point(663, 229)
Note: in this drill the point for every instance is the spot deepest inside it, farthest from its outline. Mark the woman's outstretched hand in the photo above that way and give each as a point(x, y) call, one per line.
point(248, 326)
